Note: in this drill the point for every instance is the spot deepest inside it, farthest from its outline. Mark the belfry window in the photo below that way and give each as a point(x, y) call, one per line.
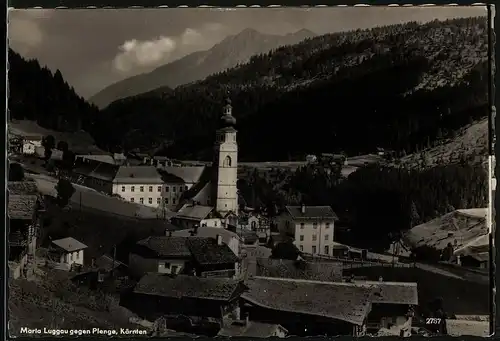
point(227, 162)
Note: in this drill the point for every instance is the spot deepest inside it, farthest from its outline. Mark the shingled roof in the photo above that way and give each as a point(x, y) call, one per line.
point(22, 187)
point(311, 213)
point(391, 292)
point(334, 300)
point(204, 250)
point(22, 207)
point(138, 175)
point(221, 289)
point(249, 329)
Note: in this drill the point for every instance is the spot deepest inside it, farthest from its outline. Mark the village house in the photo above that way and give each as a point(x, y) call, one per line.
point(23, 230)
point(139, 184)
point(213, 299)
point(229, 238)
point(94, 173)
point(68, 252)
point(31, 143)
point(308, 308)
point(392, 306)
point(311, 227)
point(257, 223)
point(192, 215)
point(247, 328)
point(205, 257)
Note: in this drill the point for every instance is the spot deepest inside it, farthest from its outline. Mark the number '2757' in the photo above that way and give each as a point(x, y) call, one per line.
point(432, 320)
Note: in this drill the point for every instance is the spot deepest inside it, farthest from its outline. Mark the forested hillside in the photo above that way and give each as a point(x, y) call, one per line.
point(37, 94)
point(402, 87)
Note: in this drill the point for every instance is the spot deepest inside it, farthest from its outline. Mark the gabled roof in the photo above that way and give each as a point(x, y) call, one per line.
point(22, 207)
point(211, 232)
point(138, 175)
point(328, 299)
point(204, 250)
point(249, 329)
point(180, 286)
point(311, 213)
point(99, 158)
point(95, 169)
point(194, 212)
point(69, 244)
point(391, 292)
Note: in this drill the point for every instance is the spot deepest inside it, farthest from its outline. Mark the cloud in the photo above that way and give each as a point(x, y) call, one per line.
point(24, 29)
point(136, 54)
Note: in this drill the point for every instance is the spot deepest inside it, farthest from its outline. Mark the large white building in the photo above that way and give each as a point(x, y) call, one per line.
point(175, 187)
point(311, 227)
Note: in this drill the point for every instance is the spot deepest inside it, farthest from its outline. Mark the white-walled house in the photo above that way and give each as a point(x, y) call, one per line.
point(68, 251)
point(30, 143)
point(311, 227)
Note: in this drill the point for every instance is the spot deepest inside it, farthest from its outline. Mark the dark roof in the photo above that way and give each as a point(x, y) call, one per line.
point(105, 262)
point(22, 187)
point(206, 251)
point(194, 212)
point(138, 175)
point(164, 246)
point(22, 206)
point(312, 212)
point(391, 292)
point(248, 329)
point(221, 289)
point(282, 268)
point(203, 249)
point(69, 244)
point(333, 300)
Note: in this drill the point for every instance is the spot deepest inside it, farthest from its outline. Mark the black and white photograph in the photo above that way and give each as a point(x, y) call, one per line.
point(250, 172)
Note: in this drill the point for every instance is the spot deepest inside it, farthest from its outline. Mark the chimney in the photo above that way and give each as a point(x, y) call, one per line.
point(195, 229)
point(219, 239)
point(303, 209)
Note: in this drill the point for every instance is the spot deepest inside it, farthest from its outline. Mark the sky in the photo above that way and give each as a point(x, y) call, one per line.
point(94, 48)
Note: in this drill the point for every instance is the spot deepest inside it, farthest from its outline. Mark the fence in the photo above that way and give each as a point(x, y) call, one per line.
point(357, 263)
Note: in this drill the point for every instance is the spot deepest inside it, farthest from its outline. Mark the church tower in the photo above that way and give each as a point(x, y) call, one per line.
point(226, 163)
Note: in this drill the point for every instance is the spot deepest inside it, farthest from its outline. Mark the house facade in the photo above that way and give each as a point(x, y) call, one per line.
point(191, 216)
point(205, 257)
point(94, 174)
point(67, 251)
point(30, 143)
point(311, 227)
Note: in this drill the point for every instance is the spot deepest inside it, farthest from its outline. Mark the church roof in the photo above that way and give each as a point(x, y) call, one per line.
point(189, 174)
point(194, 212)
point(138, 175)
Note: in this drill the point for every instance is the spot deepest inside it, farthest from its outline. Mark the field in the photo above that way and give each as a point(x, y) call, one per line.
point(79, 142)
point(460, 296)
point(96, 229)
point(52, 301)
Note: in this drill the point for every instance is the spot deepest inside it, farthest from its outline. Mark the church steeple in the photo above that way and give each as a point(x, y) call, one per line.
point(227, 119)
point(226, 163)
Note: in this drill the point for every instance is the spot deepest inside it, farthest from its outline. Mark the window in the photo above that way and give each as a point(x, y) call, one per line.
point(301, 237)
point(173, 201)
point(159, 189)
point(254, 224)
point(123, 188)
point(174, 269)
point(327, 250)
point(186, 188)
point(301, 226)
point(166, 201)
point(141, 188)
point(326, 237)
point(315, 225)
point(77, 255)
point(215, 223)
point(301, 247)
point(70, 257)
point(314, 237)
point(132, 188)
point(158, 201)
point(150, 200)
point(314, 248)
point(132, 199)
point(141, 200)
point(204, 225)
point(151, 188)
point(167, 189)
point(327, 225)
point(227, 162)
point(180, 189)
point(173, 189)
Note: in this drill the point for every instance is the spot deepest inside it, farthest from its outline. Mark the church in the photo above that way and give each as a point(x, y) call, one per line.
point(213, 200)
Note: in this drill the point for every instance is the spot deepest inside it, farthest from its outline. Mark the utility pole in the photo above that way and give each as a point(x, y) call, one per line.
point(114, 258)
